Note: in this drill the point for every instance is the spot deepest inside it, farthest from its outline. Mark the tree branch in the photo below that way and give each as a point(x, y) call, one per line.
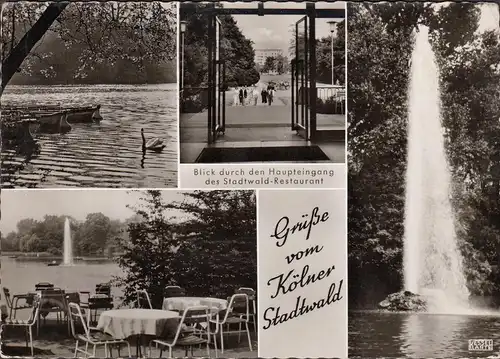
point(29, 40)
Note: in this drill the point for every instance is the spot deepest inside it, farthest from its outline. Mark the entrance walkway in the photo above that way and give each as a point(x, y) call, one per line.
point(254, 126)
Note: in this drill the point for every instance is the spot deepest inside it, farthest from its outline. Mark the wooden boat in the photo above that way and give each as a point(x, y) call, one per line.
point(85, 114)
point(56, 122)
point(17, 130)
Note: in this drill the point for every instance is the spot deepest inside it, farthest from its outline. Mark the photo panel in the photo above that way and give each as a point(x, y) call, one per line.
point(262, 84)
point(137, 265)
point(424, 274)
point(302, 285)
point(89, 94)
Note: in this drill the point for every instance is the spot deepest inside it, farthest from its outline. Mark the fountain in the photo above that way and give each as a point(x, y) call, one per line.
point(67, 245)
point(434, 280)
point(432, 260)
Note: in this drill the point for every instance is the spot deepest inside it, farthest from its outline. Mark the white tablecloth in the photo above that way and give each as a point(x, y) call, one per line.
point(182, 303)
point(123, 323)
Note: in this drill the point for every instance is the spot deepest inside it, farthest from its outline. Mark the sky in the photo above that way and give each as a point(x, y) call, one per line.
point(273, 31)
point(19, 204)
point(489, 17)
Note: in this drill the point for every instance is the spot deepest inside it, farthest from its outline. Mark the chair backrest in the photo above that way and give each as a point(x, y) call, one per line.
point(36, 304)
point(143, 300)
point(8, 299)
point(194, 315)
point(252, 296)
point(103, 288)
point(174, 291)
point(238, 303)
point(43, 286)
point(76, 316)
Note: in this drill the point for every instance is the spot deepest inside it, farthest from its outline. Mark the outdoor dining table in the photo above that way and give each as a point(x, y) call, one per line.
point(125, 323)
point(182, 303)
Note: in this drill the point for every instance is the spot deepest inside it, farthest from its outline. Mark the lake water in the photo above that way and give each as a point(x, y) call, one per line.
point(376, 334)
point(107, 154)
point(21, 277)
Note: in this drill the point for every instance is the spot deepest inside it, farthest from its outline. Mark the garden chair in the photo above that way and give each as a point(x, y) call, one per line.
point(174, 291)
point(43, 286)
point(53, 301)
point(92, 336)
point(101, 300)
point(237, 312)
point(27, 324)
point(13, 302)
point(190, 317)
point(143, 300)
point(253, 304)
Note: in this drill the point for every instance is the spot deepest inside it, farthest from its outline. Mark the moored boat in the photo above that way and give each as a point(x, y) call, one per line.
point(56, 122)
point(83, 114)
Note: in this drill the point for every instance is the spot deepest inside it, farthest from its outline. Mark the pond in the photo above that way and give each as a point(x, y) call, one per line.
point(21, 276)
point(377, 334)
point(107, 154)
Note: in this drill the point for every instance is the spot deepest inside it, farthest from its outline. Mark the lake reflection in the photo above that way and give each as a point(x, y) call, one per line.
point(377, 334)
point(21, 277)
point(107, 154)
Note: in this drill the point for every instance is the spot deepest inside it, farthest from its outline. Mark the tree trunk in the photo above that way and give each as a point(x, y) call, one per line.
point(16, 57)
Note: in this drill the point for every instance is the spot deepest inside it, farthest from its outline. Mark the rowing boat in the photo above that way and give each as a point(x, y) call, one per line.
point(85, 114)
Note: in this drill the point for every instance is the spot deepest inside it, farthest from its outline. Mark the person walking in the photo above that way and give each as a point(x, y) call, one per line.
point(242, 98)
point(270, 96)
point(235, 97)
point(245, 94)
point(255, 95)
point(263, 93)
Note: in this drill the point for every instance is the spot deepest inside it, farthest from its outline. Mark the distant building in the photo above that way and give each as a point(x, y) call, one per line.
point(262, 54)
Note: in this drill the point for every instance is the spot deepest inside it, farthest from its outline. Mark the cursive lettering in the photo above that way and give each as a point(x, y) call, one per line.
point(282, 230)
point(291, 281)
point(273, 317)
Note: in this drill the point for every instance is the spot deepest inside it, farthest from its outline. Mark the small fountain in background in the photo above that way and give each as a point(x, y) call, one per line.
point(432, 260)
point(67, 245)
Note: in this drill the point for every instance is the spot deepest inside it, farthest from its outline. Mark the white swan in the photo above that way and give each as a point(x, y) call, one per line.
point(154, 144)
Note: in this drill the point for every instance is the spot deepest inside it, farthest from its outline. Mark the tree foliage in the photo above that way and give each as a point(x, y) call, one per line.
point(92, 42)
point(205, 243)
point(380, 45)
point(93, 237)
point(235, 49)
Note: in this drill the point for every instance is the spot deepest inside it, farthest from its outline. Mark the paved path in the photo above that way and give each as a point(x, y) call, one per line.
point(258, 116)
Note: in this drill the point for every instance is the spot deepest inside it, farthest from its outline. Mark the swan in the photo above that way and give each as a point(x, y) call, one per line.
point(154, 144)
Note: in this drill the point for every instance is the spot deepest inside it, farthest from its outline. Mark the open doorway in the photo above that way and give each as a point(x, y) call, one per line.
point(252, 85)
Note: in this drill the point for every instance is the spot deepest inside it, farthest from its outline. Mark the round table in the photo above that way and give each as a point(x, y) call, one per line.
point(123, 323)
point(182, 303)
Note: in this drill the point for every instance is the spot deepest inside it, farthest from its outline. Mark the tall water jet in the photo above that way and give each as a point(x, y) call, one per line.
point(432, 260)
point(67, 244)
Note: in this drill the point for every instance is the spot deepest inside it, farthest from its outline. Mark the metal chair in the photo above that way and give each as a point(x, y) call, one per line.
point(173, 291)
point(43, 285)
point(190, 317)
point(101, 300)
point(13, 302)
point(92, 336)
point(143, 300)
point(27, 324)
point(253, 304)
point(233, 315)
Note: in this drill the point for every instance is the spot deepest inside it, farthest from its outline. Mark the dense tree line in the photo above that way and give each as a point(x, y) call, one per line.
point(98, 235)
point(209, 248)
point(324, 54)
point(92, 43)
point(380, 45)
point(236, 50)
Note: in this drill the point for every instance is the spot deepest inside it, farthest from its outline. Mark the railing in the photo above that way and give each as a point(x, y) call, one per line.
point(330, 99)
point(193, 99)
